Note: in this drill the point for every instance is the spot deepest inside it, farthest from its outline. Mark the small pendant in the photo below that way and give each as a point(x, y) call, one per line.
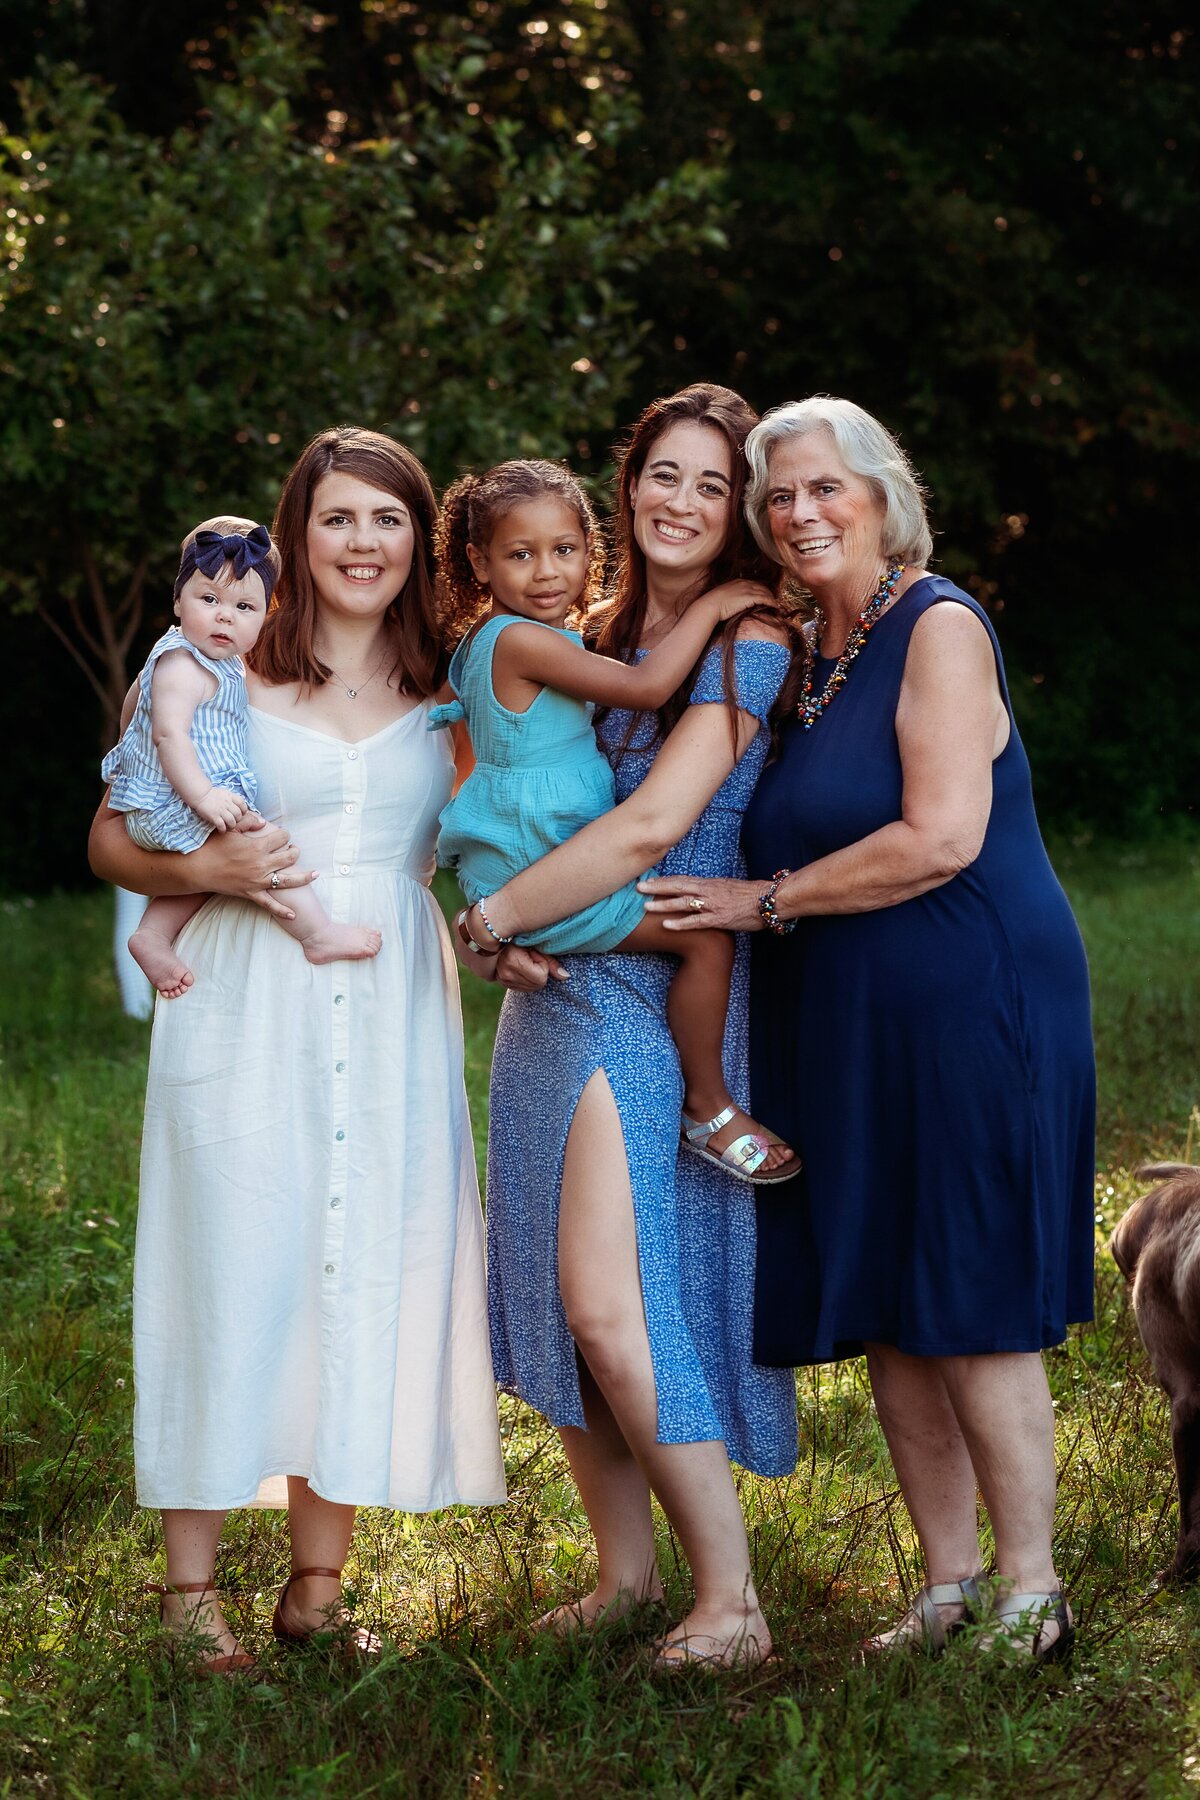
point(352, 693)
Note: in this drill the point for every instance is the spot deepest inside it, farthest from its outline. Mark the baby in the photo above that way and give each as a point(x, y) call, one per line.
point(180, 771)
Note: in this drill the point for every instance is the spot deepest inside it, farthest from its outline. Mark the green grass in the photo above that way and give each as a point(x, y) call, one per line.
point(464, 1703)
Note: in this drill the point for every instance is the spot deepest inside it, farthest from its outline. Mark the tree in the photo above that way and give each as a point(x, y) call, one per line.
point(178, 317)
point(976, 220)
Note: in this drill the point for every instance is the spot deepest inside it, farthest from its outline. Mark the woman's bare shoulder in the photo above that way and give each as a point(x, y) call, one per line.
point(281, 698)
point(947, 626)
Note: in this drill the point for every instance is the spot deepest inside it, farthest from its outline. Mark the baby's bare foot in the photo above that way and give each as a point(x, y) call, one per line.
point(342, 943)
point(155, 956)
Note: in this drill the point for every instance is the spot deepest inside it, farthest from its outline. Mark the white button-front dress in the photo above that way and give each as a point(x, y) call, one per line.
point(309, 1284)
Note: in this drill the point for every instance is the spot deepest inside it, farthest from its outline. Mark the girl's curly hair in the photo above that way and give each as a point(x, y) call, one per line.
point(472, 507)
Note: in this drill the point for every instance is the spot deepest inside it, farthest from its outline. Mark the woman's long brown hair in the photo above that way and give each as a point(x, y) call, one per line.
point(285, 650)
point(620, 634)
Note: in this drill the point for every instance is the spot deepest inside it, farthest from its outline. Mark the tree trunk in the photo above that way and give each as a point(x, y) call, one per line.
point(101, 635)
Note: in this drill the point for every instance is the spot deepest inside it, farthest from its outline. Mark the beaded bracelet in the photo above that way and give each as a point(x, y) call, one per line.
point(488, 926)
point(766, 907)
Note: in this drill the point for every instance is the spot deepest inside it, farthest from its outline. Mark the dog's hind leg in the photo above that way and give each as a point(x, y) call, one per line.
point(1185, 1442)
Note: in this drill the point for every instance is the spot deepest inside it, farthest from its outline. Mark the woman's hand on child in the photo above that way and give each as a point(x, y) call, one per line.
point(700, 903)
point(734, 597)
point(255, 864)
point(525, 971)
point(220, 808)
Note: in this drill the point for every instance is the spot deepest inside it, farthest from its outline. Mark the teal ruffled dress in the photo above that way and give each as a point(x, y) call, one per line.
point(539, 777)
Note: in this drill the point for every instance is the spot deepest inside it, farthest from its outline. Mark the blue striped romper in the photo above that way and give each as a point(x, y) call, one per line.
point(155, 816)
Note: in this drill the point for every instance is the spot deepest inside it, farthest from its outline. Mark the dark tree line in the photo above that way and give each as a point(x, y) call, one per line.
point(495, 227)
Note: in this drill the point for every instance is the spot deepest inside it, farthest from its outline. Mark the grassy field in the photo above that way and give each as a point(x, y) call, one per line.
point(464, 1703)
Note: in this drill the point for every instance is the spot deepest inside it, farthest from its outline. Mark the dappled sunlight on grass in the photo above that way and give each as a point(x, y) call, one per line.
point(467, 1700)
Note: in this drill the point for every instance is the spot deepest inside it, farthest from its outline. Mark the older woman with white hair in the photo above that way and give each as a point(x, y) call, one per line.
point(920, 1027)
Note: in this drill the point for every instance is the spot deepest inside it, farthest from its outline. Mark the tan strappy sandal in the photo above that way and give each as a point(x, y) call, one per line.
point(929, 1632)
point(343, 1633)
point(744, 1157)
point(236, 1662)
point(1018, 1624)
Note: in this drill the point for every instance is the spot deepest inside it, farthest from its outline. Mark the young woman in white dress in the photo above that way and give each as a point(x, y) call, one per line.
point(308, 1283)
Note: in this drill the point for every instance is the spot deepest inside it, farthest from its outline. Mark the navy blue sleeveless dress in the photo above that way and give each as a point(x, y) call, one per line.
point(931, 1061)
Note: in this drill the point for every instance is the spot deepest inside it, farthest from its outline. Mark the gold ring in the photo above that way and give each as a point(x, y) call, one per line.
point(696, 903)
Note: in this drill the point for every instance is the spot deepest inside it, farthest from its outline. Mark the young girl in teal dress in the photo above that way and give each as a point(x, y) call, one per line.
point(520, 554)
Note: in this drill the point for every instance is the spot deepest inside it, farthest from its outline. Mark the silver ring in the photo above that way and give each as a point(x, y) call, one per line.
point(696, 903)
point(275, 881)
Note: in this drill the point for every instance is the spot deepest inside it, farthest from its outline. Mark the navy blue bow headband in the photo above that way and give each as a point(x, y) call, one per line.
point(208, 550)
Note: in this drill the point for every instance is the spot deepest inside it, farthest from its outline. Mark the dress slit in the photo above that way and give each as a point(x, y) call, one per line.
point(694, 1223)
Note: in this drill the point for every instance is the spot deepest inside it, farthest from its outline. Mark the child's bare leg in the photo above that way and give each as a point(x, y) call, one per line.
point(152, 945)
point(321, 940)
point(696, 1007)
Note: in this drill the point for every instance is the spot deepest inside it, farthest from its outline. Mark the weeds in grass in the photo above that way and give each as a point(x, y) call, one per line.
point(466, 1701)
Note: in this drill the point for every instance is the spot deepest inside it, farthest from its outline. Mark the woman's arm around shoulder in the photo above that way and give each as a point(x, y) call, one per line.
point(951, 724)
point(528, 656)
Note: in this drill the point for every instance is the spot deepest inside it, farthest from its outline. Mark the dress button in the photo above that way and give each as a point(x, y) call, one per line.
point(349, 806)
point(331, 1268)
point(338, 999)
point(339, 1135)
point(352, 756)
point(336, 1201)
point(344, 868)
point(339, 1068)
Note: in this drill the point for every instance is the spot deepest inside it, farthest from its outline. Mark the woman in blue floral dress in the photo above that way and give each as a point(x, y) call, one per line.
point(621, 1270)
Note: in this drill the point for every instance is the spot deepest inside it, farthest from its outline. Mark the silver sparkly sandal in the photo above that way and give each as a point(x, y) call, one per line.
point(743, 1158)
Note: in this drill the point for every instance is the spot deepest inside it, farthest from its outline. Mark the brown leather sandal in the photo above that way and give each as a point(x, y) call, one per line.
point(237, 1662)
point(355, 1639)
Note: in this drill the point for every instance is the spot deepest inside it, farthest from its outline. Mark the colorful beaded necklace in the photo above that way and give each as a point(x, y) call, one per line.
point(811, 705)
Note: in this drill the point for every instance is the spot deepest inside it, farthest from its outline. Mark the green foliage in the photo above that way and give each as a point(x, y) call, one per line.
point(1138, 907)
point(466, 1701)
point(976, 222)
point(179, 316)
point(495, 227)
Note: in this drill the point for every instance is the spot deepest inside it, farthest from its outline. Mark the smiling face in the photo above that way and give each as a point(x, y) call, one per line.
point(681, 500)
point(536, 563)
point(360, 544)
point(219, 616)
point(826, 522)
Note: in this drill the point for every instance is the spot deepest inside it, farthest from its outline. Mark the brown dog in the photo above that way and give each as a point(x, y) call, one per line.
point(1157, 1249)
